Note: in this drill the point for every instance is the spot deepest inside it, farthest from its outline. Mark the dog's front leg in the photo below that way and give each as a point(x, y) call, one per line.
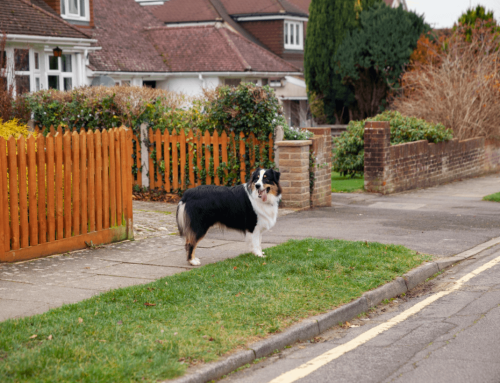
point(256, 240)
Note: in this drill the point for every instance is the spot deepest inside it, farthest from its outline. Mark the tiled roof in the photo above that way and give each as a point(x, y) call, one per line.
point(211, 49)
point(34, 18)
point(174, 11)
point(126, 47)
point(303, 5)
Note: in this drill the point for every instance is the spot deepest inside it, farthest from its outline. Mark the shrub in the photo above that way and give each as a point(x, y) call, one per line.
point(13, 128)
point(349, 147)
point(294, 134)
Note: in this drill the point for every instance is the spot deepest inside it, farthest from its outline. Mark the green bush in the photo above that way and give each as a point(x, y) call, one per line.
point(349, 147)
point(294, 134)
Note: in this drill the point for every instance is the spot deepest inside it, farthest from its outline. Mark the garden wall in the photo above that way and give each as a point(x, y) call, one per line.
point(420, 164)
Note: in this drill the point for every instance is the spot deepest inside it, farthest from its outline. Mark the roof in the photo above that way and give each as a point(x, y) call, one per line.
point(175, 11)
point(35, 18)
point(303, 5)
point(120, 31)
point(213, 49)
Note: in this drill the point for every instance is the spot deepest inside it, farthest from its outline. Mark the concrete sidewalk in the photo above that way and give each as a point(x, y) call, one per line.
point(442, 221)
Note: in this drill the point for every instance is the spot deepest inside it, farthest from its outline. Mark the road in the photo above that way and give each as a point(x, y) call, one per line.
point(443, 331)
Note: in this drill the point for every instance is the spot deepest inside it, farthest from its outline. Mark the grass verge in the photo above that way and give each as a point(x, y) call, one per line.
point(155, 331)
point(492, 197)
point(347, 184)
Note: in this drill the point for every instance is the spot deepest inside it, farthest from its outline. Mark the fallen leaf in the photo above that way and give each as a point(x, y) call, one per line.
point(149, 304)
point(166, 283)
point(135, 300)
point(354, 325)
point(80, 320)
point(328, 276)
point(264, 264)
point(119, 322)
point(49, 337)
point(205, 336)
point(310, 250)
point(238, 294)
point(234, 268)
point(211, 339)
point(162, 331)
point(175, 333)
point(33, 336)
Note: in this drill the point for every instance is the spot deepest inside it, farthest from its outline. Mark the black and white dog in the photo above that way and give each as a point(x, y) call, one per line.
point(249, 208)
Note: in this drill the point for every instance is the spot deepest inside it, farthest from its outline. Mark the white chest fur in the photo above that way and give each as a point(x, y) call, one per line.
point(267, 212)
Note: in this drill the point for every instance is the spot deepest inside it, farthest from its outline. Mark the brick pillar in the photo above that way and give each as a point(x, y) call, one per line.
point(377, 145)
point(321, 194)
point(294, 168)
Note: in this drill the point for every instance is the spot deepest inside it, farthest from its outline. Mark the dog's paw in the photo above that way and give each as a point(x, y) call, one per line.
point(259, 254)
point(195, 262)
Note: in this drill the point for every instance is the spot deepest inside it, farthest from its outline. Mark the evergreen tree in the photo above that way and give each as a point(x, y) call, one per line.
point(372, 58)
point(329, 22)
point(470, 17)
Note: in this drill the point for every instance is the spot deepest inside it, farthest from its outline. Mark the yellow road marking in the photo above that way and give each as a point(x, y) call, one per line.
point(314, 364)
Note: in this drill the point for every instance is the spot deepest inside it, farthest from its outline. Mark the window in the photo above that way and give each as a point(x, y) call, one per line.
point(22, 70)
point(232, 81)
point(294, 35)
point(60, 73)
point(75, 9)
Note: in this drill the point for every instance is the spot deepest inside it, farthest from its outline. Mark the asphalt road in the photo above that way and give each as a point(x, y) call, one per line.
point(453, 339)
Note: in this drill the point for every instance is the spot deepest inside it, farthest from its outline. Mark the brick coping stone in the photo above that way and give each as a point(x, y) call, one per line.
point(294, 143)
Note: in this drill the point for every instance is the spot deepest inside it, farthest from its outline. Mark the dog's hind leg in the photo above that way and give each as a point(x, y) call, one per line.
point(191, 244)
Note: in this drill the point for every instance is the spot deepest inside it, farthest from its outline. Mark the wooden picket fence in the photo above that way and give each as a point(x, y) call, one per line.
point(179, 148)
point(61, 192)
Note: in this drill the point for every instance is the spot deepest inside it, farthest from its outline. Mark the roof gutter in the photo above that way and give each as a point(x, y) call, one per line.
point(270, 17)
point(195, 74)
point(49, 40)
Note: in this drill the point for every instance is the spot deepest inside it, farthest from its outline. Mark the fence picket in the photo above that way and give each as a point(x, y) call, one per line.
point(76, 182)
point(59, 186)
point(175, 161)
point(105, 178)
point(4, 197)
point(112, 178)
point(138, 161)
point(223, 145)
point(199, 154)
point(215, 142)
point(91, 180)
point(182, 144)
point(271, 147)
point(207, 157)
point(126, 171)
point(190, 143)
point(151, 163)
point(158, 181)
point(251, 151)
point(98, 180)
point(242, 158)
point(51, 224)
point(118, 174)
point(83, 182)
point(32, 186)
point(67, 184)
point(23, 200)
point(42, 206)
point(14, 208)
point(166, 156)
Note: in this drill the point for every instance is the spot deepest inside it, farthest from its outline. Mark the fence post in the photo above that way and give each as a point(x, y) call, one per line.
point(145, 155)
point(279, 136)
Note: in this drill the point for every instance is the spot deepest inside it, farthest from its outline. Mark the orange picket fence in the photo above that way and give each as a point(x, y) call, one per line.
point(174, 151)
point(61, 192)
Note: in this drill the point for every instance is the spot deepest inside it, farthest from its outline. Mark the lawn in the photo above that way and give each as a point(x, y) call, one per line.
point(347, 184)
point(155, 331)
point(492, 197)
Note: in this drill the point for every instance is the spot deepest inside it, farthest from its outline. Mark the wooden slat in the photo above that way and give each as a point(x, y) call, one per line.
point(166, 156)
point(52, 130)
point(271, 147)
point(125, 171)
point(182, 143)
point(223, 145)
point(83, 182)
point(128, 160)
point(215, 143)
point(59, 186)
point(251, 143)
point(14, 207)
point(51, 222)
point(76, 182)
point(91, 180)
point(175, 161)
point(207, 157)
point(199, 155)
point(23, 195)
point(118, 174)
point(32, 186)
point(112, 177)
point(159, 155)
point(67, 184)
point(190, 143)
point(42, 206)
point(242, 158)
point(4, 197)
point(138, 160)
point(151, 163)
point(105, 179)
point(98, 180)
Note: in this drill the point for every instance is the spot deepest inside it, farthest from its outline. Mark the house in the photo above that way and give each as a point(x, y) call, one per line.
point(30, 32)
point(396, 3)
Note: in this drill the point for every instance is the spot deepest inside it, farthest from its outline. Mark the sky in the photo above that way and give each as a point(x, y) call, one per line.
point(443, 13)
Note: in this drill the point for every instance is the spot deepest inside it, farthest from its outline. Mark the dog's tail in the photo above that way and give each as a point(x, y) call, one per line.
point(182, 219)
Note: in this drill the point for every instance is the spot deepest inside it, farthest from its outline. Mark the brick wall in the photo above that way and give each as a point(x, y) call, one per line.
point(321, 194)
point(56, 6)
point(269, 33)
point(420, 164)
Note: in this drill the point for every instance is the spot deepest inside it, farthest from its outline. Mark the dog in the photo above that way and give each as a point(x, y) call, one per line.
point(248, 208)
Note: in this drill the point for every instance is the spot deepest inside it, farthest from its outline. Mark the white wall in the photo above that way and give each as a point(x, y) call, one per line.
point(191, 86)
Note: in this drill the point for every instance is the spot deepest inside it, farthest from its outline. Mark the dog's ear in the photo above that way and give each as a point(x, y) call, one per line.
point(277, 175)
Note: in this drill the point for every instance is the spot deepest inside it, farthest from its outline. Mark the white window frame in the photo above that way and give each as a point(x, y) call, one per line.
point(11, 73)
point(293, 34)
point(65, 14)
point(59, 72)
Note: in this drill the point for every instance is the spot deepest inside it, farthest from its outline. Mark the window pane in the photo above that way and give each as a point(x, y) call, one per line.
point(232, 81)
point(291, 34)
point(22, 59)
point(53, 63)
point(286, 33)
point(3, 59)
point(22, 84)
point(53, 82)
point(66, 63)
point(37, 83)
point(63, 7)
point(297, 34)
point(82, 8)
point(73, 7)
point(68, 83)
point(37, 61)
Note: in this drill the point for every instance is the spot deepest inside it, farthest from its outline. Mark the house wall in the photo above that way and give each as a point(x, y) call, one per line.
point(191, 86)
point(268, 32)
point(56, 6)
point(420, 164)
